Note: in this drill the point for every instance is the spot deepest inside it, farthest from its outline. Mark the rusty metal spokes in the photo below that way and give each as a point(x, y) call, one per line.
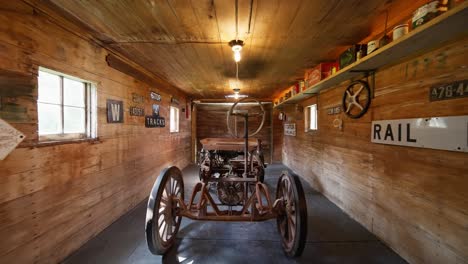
point(168, 219)
point(292, 214)
point(288, 219)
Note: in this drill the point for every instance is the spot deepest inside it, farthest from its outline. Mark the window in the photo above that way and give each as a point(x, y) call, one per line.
point(174, 122)
point(311, 118)
point(66, 107)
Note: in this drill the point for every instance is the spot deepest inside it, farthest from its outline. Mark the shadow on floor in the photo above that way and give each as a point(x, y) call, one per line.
point(333, 237)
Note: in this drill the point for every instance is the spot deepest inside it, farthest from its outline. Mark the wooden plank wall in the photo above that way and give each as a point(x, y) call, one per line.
point(55, 198)
point(211, 122)
point(414, 199)
point(277, 136)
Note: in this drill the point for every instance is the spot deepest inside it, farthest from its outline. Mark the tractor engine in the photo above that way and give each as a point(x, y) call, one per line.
point(230, 193)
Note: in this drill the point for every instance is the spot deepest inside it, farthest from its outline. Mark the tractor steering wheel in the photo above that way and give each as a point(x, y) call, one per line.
point(244, 113)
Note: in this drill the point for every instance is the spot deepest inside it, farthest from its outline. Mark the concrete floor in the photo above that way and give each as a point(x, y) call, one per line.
point(332, 237)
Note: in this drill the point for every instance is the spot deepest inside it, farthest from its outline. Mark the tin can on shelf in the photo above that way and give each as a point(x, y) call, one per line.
point(372, 46)
point(400, 30)
point(301, 86)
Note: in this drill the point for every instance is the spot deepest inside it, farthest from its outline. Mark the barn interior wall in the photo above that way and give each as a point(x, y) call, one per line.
point(414, 199)
point(54, 198)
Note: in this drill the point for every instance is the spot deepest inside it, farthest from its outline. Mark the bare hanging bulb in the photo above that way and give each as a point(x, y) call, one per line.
point(237, 52)
point(237, 56)
point(236, 46)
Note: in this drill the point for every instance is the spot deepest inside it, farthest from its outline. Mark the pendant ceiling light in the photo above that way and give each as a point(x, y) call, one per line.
point(236, 94)
point(236, 46)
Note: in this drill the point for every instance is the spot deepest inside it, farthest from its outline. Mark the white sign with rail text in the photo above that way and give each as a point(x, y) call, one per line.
point(446, 133)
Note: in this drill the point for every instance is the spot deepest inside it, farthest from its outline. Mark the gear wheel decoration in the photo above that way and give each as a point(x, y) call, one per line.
point(356, 99)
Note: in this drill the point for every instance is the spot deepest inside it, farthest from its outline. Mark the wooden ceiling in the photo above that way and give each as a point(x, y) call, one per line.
point(185, 42)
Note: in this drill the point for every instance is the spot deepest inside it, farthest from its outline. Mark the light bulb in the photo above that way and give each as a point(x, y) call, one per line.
point(236, 48)
point(237, 56)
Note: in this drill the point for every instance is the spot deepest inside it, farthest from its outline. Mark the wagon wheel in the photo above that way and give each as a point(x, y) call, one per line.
point(234, 112)
point(162, 222)
point(357, 96)
point(292, 218)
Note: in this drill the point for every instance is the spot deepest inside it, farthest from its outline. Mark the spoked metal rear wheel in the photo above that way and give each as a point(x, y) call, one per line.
point(162, 222)
point(292, 219)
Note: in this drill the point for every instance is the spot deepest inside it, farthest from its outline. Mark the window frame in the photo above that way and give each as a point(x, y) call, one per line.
point(308, 116)
point(177, 115)
point(90, 108)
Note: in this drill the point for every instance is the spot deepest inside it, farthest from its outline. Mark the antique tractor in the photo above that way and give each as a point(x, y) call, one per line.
point(235, 167)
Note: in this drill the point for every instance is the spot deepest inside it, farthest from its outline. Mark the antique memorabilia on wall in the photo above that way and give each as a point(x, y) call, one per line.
point(114, 111)
point(290, 129)
point(334, 110)
point(137, 111)
point(155, 121)
point(338, 123)
point(446, 133)
point(155, 110)
point(356, 99)
point(174, 100)
point(10, 138)
point(138, 99)
point(155, 96)
point(447, 91)
point(282, 116)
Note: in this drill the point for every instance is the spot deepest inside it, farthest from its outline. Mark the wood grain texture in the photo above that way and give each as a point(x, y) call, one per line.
point(414, 199)
point(211, 122)
point(55, 198)
point(185, 42)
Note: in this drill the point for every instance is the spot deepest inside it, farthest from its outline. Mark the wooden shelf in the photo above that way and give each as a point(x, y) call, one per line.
point(448, 26)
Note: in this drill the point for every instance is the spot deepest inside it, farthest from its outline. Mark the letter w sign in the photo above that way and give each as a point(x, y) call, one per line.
point(114, 111)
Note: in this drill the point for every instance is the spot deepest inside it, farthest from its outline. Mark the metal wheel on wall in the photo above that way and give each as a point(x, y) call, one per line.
point(356, 99)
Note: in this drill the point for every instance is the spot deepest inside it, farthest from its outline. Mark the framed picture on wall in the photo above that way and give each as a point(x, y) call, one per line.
point(290, 129)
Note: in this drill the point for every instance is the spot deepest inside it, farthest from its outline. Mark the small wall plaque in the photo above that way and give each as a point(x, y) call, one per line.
point(114, 111)
point(290, 129)
point(155, 121)
point(155, 96)
point(137, 111)
point(334, 110)
point(447, 91)
point(138, 99)
point(174, 100)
